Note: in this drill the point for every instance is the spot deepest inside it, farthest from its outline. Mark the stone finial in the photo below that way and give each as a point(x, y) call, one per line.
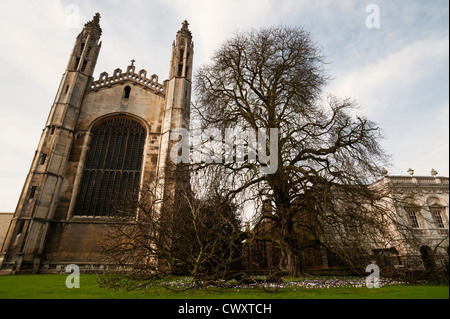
point(411, 172)
point(96, 18)
point(185, 25)
point(433, 172)
point(184, 31)
point(94, 24)
point(95, 21)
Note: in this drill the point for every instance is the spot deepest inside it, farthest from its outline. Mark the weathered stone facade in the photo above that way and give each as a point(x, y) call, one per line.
point(100, 136)
point(420, 202)
point(5, 219)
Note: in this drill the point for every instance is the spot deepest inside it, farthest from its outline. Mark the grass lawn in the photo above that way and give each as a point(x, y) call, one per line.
point(54, 287)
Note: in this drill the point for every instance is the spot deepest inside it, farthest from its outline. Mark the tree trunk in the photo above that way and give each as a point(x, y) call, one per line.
point(291, 261)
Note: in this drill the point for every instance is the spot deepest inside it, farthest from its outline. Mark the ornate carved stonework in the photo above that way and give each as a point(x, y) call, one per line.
point(139, 78)
point(102, 139)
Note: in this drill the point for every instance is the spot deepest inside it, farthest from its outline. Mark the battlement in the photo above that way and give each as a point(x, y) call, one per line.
point(119, 78)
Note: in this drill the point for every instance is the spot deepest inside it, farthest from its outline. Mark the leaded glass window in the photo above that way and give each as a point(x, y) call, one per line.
point(438, 218)
point(414, 220)
point(113, 167)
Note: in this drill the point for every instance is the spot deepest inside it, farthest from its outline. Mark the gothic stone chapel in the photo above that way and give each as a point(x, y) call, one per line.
point(103, 140)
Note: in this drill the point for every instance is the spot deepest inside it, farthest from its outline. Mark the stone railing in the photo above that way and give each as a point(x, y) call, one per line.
point(425, 180)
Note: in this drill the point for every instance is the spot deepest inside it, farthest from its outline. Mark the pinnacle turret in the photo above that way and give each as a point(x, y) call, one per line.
point(182, 53)
point(86, 49)
point(93, 26)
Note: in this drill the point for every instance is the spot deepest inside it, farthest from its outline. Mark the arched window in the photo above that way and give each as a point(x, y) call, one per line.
point(437, 209)
point(126, 92)
point(113, 167)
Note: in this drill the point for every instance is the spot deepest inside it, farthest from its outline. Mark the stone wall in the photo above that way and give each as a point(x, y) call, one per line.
point(5, 219)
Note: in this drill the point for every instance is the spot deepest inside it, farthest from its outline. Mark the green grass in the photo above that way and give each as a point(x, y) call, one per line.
point(54, 287)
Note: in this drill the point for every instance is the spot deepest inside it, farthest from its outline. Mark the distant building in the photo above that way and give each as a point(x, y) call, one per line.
point(5, 219)
point(422, 202)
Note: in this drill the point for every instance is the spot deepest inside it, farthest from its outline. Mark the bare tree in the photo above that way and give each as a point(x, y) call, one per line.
point(192, 235)
point(326, 156)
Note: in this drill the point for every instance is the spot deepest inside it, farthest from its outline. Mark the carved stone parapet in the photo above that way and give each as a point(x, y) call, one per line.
point(138, 78)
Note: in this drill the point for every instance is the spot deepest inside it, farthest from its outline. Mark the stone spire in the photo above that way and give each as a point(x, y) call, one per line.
point(93, 26)
point(184, 31)
point(182, 53)
point(25, 242)
point(87, 47)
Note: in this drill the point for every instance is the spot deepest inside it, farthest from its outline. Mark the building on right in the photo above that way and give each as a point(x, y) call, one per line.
point(417, 223)
point(422, 202)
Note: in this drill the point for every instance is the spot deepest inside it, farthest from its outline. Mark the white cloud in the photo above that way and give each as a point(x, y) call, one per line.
point(406, 93)
point(34, 40)
point(389, 83)
point(212, 22)
point(396, 72)
point(423, 143)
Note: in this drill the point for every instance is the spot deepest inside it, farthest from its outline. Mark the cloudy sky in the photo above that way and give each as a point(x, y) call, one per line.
point(397, 69)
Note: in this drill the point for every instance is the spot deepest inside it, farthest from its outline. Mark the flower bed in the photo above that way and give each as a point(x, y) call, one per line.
point(297, 283)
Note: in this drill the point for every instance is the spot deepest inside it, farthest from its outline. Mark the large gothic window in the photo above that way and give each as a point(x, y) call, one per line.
point(113, 167)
